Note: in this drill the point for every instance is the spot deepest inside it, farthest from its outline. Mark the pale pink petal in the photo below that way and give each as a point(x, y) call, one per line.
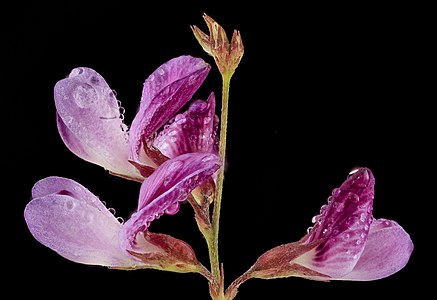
point(193, 131)
point(344, 223)
point(164, 189)
point(387, 250)
point(76, 230)
point(169, 88)
point(90, 122)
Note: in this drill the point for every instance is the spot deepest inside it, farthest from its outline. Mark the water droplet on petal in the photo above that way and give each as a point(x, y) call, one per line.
point(353, 171)
point(309, 229)
point(324, 231)
point(353, 197)
point(340, 207)
point(70, 204)
point(161, 71)
point(75, 72)
point(84, 95)
point(346, 236)
point(336, 192)
point(208, 158)
point(172, 209)
point(174, 166)
point(363, 217)
point(363, 235)
point(120, 220)
point(111, 210)
point(358, 241)
point(314, 219)
point(330, 198)
point(351, 221)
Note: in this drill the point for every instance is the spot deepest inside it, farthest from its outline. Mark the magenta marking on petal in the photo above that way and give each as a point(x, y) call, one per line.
point(165, 92)
point(193, 131)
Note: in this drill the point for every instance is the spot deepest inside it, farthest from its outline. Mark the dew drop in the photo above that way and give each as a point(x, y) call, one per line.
point(172, 209)
point(336, 192)
point(176, 165)
point(120, 220)
point(309, 229)
point(353, 197)
point(85, 95)
point(350, 222)
point(166, 180)
point(340, 207)
point(111, 210)
point(75, 72)
point(358, 241)
point(314, 219)
point(208, 158)
point(346, 236)
point(161, 71)
point(70, 204)
point(363, 235)
point(363, 217)
point(324, 231)
point(353, 171)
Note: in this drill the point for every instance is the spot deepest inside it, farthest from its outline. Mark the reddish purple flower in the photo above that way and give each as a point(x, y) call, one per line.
point(91, 124)
point(66, 217)
point(346, 241)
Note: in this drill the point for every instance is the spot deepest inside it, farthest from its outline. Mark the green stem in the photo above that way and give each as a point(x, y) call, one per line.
point(213, 244)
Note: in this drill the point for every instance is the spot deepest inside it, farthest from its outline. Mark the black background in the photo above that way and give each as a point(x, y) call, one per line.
point(320, 90)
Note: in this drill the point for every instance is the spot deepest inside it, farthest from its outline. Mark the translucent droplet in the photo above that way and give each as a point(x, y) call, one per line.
point(208, 158)
point(172, 209)
point(324, 231)
point(70, 204)
point(161, 71)
point(346, 236)
point(75, 72)
point(336, 192)
point(330, 198)
point(120, 220)
point(363, 217)
point(111, 210)
point(353, 197)
point(339, 207)
point(166, 180)
point(358, 241)
point(314, 219)
point(174, 166)
point(353, 171)
point(84, 95)
point(309, 229)
point(363, 235)
point(351, 221)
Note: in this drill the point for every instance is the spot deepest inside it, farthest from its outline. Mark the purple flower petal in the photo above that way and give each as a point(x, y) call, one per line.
point(161, 192)
point(388, 249)
point(193, 131)
point(90, 123)
point(164, 94)
point(70, 220)
point(345, 223)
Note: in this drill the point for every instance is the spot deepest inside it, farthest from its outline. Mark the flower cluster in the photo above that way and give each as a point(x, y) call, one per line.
point(178, 155)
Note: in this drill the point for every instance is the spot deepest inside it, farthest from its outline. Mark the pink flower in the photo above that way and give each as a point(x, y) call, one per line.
point(91, 124)
point(346, 241)
point(66, 217)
